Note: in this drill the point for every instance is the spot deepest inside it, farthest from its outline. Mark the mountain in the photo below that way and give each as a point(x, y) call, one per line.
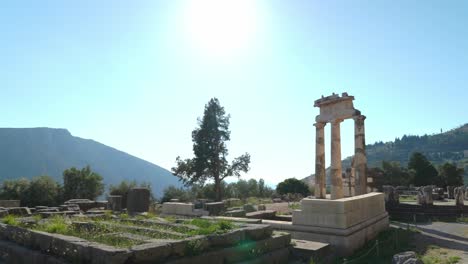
point(450, 146)
point(29, 152)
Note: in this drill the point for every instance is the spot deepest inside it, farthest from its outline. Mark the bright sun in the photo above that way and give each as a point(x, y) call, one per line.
point(220, 27)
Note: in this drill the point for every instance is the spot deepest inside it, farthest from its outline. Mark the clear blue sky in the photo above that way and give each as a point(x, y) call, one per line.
point(135, 75)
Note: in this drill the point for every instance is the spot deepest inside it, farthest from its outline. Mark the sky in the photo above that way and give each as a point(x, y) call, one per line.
point(135, 75)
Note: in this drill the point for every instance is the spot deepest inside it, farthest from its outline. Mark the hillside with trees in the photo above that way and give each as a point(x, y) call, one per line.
point(30, 152)
point(447, 147)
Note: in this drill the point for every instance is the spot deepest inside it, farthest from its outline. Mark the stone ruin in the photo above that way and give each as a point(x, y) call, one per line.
point(459, 195)
point(344, 223)
point(425, 195)
point(392, 198)
point(334, 109)
point(154, 241)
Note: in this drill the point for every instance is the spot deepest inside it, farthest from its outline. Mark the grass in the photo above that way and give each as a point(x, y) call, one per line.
point(10, 220)
point(391, 242)
point(207, 227)
point(408, 198)
point(462, 220)
point(106, 230)
point(295, 206)
point(435, 255)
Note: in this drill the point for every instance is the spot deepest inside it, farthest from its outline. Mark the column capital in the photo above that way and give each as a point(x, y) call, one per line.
point(359, 118)
point(319, 124)
point(336, 121)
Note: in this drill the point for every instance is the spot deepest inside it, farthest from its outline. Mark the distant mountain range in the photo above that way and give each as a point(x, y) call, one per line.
point(450, 146)
point(29, 152)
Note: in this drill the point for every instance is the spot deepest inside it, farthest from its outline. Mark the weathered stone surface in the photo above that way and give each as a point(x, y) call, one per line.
point(138, 200)
point(459, 195)
point(215, 208)
point(408, 257)
point(277, 200)
point(114, 202)
point(266, 214)
point(261, 207)
point(425, 195)
point(84, 204)
point(248, 208)
point(22, 211)
point(391, 196)
point(341, 213)
point(228, 239)
point(151, 252)
point(257, 232)
point(235, 213)
point(10, 203)
point(177, 208)
point(451, 192)
point(230, 202)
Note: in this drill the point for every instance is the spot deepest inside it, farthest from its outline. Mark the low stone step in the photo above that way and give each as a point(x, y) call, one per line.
point(306, 250)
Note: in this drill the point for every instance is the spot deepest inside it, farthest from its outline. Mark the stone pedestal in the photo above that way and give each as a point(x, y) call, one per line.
point(138, 200)
point(336, 177)
point(115, 202)
point(320, 190)
point(346, 224)
point(459, 194)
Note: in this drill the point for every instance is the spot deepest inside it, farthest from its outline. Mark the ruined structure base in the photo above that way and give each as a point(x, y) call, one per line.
point(346, 224)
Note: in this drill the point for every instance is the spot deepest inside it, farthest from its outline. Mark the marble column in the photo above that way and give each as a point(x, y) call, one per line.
point(336, 177)
point(320, 190)
point(360, 159)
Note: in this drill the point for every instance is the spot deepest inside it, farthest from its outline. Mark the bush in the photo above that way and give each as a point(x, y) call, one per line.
point(293, 186)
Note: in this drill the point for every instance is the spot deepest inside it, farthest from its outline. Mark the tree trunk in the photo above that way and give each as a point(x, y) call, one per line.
point(219, 195)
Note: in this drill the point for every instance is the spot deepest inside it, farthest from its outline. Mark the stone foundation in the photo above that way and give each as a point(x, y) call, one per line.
point(346, 224)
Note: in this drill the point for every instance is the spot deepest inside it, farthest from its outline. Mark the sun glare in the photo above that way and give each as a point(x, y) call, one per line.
point(220, 27)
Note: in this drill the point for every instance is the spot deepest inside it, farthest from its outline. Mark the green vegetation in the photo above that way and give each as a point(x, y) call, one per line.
point(10, 220)
point(293, 185)
point(390, 242)
point(436, 255)
point(38, 191)
point(419, 172)
point(242, 189)
point(124, 187)
point(207, 227)
point(408, 198)
point(210, 152)
point(82, 183)
point(44, 190)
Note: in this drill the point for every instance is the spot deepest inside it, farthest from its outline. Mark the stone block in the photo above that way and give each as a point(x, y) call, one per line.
point(21, 211)
point(215, 208)
point(177, 209)
point(138, 200)
point(266, 214)
point(248, 208)
point(10, 203)
point(235, 213)
point(115, 202)
point(151, 252)
point(340, 213)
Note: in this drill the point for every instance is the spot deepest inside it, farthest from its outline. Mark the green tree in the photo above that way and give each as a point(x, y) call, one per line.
point(43, 190)
point(210, 151)
point(293, 185)
point(424, 171)
point(394, 174)
point(451, 175)
point(82, 184)
point(14, 189)
point(172, 192)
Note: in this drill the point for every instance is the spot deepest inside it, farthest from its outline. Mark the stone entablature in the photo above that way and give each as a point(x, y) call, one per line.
point(334, 109)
